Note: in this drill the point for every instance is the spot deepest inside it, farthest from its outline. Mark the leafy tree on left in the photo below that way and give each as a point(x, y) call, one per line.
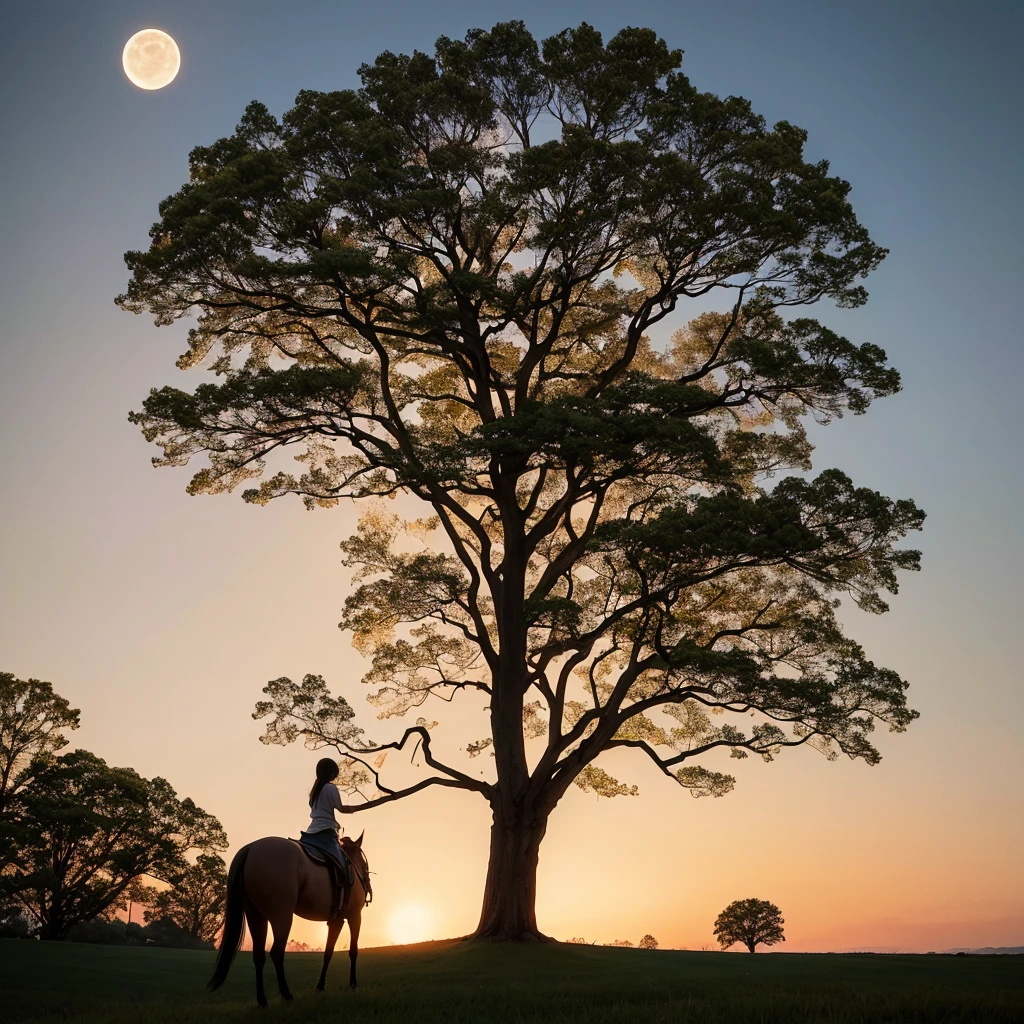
point(83, 831)
point(32, 718)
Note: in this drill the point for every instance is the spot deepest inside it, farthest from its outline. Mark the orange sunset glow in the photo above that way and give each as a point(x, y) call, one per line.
point(234, 454)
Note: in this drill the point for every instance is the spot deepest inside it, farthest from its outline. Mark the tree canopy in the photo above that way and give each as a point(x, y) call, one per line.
point(462, 283)
point(752, 922)
point(32, 720)
point(84, 831)
point(194, 900)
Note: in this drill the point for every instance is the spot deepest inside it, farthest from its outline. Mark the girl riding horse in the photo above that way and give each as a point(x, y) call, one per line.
point(271, 880)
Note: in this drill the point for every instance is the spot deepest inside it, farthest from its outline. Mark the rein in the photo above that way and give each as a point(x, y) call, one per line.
point(363, 881)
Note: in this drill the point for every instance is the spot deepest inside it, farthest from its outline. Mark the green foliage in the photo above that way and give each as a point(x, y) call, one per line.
point(112, 931)
point(32, 718)
point(13, 923)
point(308, 710)
point(83, 832)
point(104, 931)
point(192, 904)
point(752, 922)
point(167, 931)
point(593, 779)
point(459, 283)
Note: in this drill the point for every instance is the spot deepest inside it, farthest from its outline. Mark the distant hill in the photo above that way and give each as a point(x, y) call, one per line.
point(982, 951)
point(872, 949)
point(989, 950)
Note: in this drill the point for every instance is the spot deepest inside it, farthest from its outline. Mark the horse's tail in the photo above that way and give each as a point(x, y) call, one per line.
point(234, 920)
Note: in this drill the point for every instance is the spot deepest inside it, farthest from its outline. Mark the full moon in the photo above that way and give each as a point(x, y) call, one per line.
point(151, 59)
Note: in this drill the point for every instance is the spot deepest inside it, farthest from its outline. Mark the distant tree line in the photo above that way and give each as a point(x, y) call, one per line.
point(78, 837)
point(751, 922)
point(647, 942)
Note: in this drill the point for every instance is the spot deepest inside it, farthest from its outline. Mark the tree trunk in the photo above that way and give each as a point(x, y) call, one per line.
point(510, 892)
point(53, 930)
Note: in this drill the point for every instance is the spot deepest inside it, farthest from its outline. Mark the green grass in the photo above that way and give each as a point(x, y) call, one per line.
point(461, 983)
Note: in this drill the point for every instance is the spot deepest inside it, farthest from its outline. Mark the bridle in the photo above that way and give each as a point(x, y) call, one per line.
point(364, 876)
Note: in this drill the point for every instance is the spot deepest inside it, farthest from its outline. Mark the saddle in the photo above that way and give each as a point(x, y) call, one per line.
point(341, 874)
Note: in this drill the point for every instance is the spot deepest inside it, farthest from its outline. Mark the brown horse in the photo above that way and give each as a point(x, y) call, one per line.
point(269, 882)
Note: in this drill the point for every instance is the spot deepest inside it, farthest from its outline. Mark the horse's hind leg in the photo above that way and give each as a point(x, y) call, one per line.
point(258, 930)
point(354, 921)
point(282, 925)
point(333, 931)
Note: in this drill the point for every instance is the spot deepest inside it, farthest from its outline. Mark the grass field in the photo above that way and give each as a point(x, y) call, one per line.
point(461, 983)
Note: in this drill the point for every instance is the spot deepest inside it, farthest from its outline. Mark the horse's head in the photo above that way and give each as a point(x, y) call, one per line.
point(354, 849)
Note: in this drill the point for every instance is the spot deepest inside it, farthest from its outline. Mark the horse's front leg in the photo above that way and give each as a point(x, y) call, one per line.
point(333, 931)
point(354, 920)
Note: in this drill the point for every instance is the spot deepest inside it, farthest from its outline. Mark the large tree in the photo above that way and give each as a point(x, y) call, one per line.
point(84, 832)
point(459, 284)
point(32, 723)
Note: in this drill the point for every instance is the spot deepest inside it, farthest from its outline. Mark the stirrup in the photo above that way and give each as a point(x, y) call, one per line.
point(339, 911)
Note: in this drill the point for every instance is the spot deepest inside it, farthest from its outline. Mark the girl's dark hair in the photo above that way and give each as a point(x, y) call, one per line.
point(326, 771)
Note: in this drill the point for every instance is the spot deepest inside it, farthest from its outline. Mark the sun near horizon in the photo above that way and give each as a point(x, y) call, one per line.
point(409, 923)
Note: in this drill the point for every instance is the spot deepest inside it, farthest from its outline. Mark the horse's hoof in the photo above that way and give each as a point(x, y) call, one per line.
point(319, 988)
point(287, 996)
point(262, 1003)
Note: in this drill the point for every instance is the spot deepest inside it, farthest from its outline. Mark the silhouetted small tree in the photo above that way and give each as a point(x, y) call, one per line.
point(752, 922)
point(648, 942)
point(195, 900)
